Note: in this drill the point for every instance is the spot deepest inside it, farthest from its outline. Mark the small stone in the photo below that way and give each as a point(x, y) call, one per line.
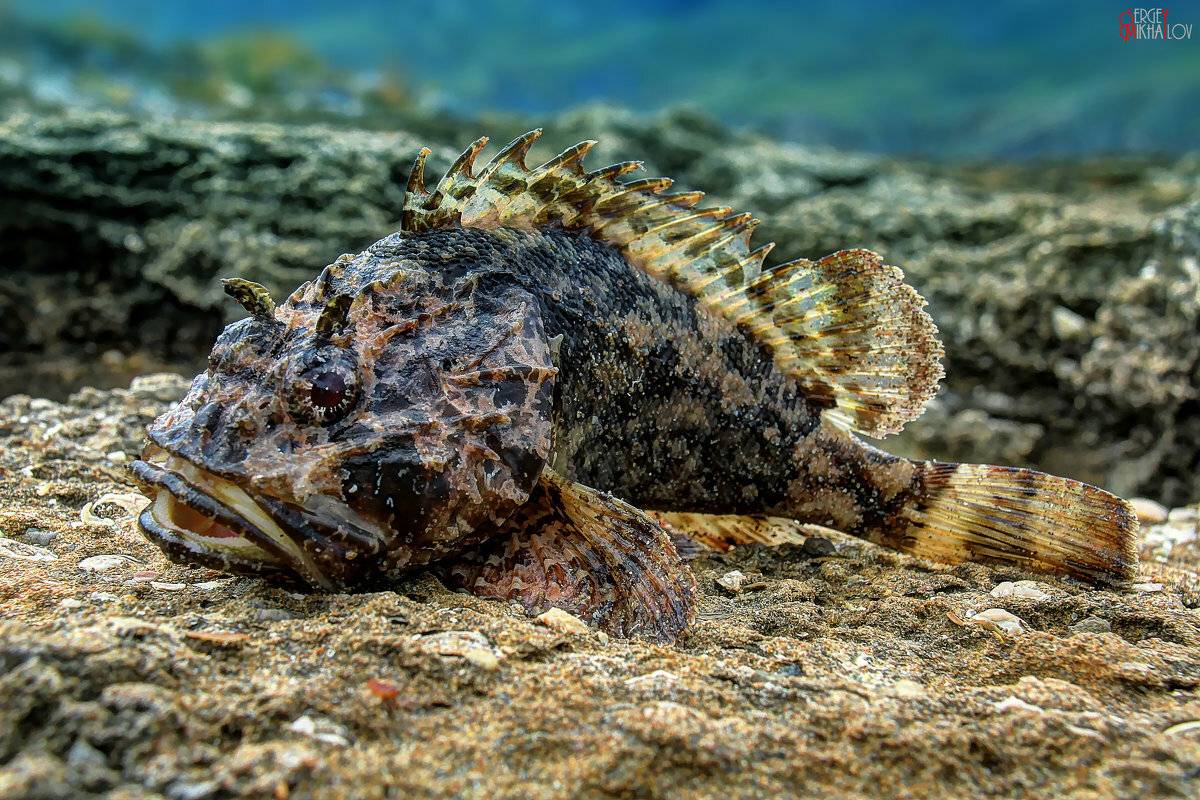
point(82, 755)
point(71, 603)
point(656, 682)
point(219, 638)
point(1135, 670)
point(193, 790)
point(1067, 324)
point(907, 689)
point(471, 646)
point(1092, 625)
point(1149, 511)
point(732, 581)
point(1188, 514)
point(163, 387)
point(486, 660)
point(1013, 702)
point(1025, 589)
point(562, 621)
point(322, 730)
point(818, 547)
point(168, 587)
point(20, 551)
point(209, 586)
point(105, 563)
point(273, 614)
point(1147, 588)
point(39, 537)
point(1004, 620)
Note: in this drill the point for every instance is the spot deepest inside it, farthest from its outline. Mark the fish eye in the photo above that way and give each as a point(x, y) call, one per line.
point(324, 387)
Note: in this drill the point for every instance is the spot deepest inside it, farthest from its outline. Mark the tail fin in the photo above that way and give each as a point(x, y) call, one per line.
point(971, 512)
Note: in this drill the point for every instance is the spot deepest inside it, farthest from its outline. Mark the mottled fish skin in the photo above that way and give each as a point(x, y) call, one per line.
point(445, 427)
point(659, 401)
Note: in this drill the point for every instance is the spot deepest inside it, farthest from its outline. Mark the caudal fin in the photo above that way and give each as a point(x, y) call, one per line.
point(972, 512)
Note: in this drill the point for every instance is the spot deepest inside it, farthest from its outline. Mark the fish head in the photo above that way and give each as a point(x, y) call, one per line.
point(376, 421)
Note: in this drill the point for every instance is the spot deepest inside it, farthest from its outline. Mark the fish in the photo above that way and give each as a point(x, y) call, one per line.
point(548, 373)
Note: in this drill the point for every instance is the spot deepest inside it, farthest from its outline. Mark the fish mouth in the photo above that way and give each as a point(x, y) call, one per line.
point(197, 516)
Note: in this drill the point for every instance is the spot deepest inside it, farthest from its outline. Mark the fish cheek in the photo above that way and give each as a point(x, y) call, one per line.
point(395, 489)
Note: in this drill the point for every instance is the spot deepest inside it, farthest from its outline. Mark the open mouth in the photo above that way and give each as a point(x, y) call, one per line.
point(199, 516)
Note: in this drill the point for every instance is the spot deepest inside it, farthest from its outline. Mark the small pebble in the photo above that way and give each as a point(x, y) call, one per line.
point(818, 546)
point(1013, 702)
point(471, 646)
point(82, 755)
point(322, 730)
point(208, 586)
point(732, 581)
point(1188, 514)
point(39, 537)
point(1025, 589)
point(193, 790)
point(20, 551)
point(562, 621)
point(907, 689)
point(657, 682)
point(1147, 587)
point(1149, 511)
point(1004, 620)
point(273, 614)
point(1092, 625)
point(219, 638)
point(1068, 324)
point(105, 563)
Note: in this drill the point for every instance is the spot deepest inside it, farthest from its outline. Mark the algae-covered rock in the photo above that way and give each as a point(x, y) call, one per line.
point(834, 671)
point(1068, 294)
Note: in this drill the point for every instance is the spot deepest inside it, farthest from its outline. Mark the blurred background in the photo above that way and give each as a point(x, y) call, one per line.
point(1036, 176)
point(939, 78)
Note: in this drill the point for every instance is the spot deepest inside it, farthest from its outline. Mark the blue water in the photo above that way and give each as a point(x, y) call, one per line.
point(937, 78)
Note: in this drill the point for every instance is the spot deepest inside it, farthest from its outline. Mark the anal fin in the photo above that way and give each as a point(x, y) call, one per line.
point(720, 532)
point(574, 548)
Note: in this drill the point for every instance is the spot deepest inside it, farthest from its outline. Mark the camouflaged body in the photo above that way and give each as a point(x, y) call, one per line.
point(536, 349)
point(656, 399)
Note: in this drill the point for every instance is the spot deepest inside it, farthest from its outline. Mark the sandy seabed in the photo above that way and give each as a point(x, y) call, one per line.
point(856, 673)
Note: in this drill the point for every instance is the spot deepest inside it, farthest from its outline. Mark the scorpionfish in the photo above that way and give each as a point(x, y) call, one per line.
point(549, 372)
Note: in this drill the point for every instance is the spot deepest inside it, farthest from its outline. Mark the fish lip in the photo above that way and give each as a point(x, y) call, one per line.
point(163, 444)
point(155, 477)
point(189, 553)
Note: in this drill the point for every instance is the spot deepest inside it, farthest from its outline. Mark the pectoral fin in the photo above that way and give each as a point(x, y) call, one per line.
point(586, 552)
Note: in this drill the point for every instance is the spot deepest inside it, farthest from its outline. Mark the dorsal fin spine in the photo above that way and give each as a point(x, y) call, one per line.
point(846, 327)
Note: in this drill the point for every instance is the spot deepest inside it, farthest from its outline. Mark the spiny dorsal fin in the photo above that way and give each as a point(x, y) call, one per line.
point(846, 328)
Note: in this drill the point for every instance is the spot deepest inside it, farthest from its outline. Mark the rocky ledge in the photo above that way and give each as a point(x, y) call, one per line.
point(832, 671)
